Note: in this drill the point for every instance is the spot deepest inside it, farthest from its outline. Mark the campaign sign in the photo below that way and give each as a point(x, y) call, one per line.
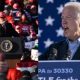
point(59, 70)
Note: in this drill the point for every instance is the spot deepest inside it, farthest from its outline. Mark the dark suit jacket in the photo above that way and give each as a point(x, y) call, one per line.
point(8, 32)
point(58, 51)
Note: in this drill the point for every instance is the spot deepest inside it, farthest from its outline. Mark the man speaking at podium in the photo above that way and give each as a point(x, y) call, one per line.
point(6, 29)
point(68, 49)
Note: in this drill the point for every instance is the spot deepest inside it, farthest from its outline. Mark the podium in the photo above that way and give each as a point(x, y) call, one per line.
point(11, 47)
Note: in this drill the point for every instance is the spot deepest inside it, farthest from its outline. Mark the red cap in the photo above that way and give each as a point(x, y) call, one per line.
point(15, 5)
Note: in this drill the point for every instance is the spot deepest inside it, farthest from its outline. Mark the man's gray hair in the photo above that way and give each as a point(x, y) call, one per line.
point(75, 5)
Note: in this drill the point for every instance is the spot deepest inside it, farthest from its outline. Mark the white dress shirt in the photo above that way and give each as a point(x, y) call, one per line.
point(73, 46)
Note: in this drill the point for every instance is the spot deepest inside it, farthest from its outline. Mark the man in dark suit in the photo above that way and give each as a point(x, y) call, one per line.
point(6, 29)
point(68, 49)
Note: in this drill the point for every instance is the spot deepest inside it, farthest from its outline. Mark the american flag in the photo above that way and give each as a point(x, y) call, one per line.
point(50, 28)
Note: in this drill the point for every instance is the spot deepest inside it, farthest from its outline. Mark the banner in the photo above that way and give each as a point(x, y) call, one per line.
point(59, 70)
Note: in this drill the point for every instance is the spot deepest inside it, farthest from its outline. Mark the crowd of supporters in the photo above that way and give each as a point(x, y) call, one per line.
point(22, 14)
point(19, 18)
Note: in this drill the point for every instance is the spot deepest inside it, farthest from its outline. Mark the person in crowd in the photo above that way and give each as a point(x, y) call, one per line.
point(24, 28)
point(8, 6)
point(16, 12)
point(6, 29)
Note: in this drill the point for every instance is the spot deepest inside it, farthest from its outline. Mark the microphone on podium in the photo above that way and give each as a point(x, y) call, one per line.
point(67, 56)
point(53, 54)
